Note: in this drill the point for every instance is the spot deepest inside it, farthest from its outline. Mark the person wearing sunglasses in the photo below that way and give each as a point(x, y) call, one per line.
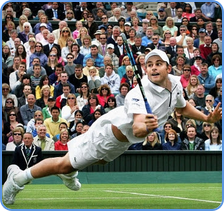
point(17, 135)
point(6, 94)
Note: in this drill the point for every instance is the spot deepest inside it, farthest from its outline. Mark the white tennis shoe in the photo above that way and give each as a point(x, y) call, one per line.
point(10, 188)
point(70, 180)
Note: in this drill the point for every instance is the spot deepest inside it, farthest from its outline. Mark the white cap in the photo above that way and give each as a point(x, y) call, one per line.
point(127, 24)
point(110, 45)
point(157, 52)
point(44, 25)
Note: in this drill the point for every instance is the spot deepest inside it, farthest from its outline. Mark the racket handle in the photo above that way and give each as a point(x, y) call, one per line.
point(149, 111)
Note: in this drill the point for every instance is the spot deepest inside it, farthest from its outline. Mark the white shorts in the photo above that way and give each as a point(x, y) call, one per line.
point(94, 145)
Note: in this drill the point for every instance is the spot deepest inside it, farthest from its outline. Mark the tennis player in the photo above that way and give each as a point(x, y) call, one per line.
point(115, 131)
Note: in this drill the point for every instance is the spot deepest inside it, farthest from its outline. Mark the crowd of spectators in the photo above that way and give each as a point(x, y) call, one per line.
point(57, 81)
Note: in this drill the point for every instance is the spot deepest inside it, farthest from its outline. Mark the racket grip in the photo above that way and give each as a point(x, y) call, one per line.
point(149, 111)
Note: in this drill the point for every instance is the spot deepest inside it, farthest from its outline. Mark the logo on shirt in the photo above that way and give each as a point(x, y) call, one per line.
point(135, 99)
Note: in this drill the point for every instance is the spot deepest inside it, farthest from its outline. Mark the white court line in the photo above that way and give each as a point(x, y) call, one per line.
point(160, 196)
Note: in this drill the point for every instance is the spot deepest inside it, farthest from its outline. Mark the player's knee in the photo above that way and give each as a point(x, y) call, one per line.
point(64, 166)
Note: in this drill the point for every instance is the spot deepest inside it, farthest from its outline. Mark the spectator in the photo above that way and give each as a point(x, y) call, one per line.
point(39, 53)
point(147, 38)
point(96, 39)
point(196, 68)
point(68, 111)
point(98, 58)
point(91, 25)
point(67, 49)
point(205, 78)
point(52, 123)
point(214, 143)
point(122, 69)
point(153, 22)
point(206, 49)
point(216, 67)
point(178, 68)
point(97, 114)
point(21, 52)
point(37, 123)
point(215, 90)
point(104, 93)
point(85, 128)
point(192, 85)
point(62, 99)
point(40, 36)
point(27, 154)
point(103, 45)
point(86, 43)
point(82, 99)
point(128, 76)
point(42, 141)
point(30, 70)
point(152, 142)
point(199, 95)
point(17, 135)
point(181, 39)
point(43, 19)
point(161, 15)
point(218, 99)
point(55, 77)
point(78, 129)
point(137, 48)
point(23, 99)
point(70, 66)
point(70, 16)
point(31, 124)
point(66, 33)
point(192, 142)
point(51, 43)
point(78, 57)
point(120, 98)
point(215, 51)
point(82, 33)
point(46, 111)
point(93, 79)
point(200, 40)
point(206, 128)
point(89, 108)
point(110, 104)
point(35, 78)
point(64, 80)
point(61, 144)
point(6, 34)
point(209, 102)
point(6, 94)
point(116, 15)
point(57, 32)
point(106, 60)
point(52, 62)
point(45, 94)
point(27, 111)
point(185, 77)
point(9, 104)
point(170, 25)
point(171, 141)
point(78, 118)
point(55, 13)
point(7, 59)
point(113, 38)
point(113, 56)
point(179, 52)
point(111, 78)
point(219, 39)
point(78, 26)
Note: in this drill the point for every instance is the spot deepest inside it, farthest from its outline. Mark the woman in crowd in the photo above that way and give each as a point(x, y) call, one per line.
point(24, 34)
point(78, 118)
point(152, 142)
point(206, 128)
point(121, 22)
point(187, 12)
point(186, 23)
point(9, 104)
point(93, 79)
point(178, 68)
point(78, 57)
point(171, 141)
point(91, 25)
point(6, 33)
point(67, 49)
point(216, 67)
point(116, 15)
point(189, 50)
point(31, 124)
point(61, 144)
point(140, 61)
point(43, 81)
point(153, 22)
point(97, 114)
point(170, 25)
point(111, 104)
point(7, 59)
point(215, 90)
point(166, 38)
point(22, 20)
point(78, 129)
point(135, 23)
point(56, 51)
point(214, 143)
point(82, 99)
point(104, 93)
point(85, 48)
point(62, 126)
point(17, 138)
point(30, 50)
point(45, 94)
point(109, 30)
point(194, 32)
point(122, 69)
point(21, 52)
point(92, 105)
point(69, 16)
point(52, 61)
point(132, 34)
point(11, 124)
point(68, 111)
point(196, 68)
point(84, 15)
point(39, 53)
point(192, 86)
point(65, 34)
point(78, 26)
point(82, 32)
point(124, 89)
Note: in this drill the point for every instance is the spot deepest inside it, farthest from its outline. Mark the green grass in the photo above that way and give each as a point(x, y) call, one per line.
point(121, 196)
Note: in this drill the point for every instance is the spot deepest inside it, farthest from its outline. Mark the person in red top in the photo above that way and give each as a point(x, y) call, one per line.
point(104, 94)
point(185, 77)
point(196, 68)
point(61, 144)
point(206, 48)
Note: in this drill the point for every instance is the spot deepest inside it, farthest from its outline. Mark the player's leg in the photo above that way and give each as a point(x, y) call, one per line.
point(51, 166)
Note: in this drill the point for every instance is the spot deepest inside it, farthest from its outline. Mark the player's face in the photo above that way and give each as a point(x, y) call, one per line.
point(157, 70)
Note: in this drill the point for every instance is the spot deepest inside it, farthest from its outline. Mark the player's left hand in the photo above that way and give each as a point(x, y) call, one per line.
point(216, 115)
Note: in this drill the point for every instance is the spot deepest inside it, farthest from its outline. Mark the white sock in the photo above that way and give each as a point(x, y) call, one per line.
point(23, 177)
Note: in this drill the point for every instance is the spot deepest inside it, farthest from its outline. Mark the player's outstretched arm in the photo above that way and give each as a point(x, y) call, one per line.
point(192, 113)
